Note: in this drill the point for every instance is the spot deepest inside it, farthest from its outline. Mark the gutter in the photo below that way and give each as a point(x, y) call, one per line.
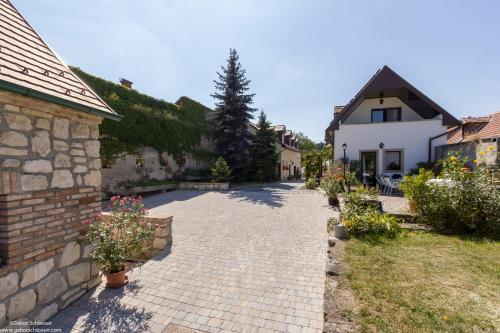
point(12, 87)
point(430, 145)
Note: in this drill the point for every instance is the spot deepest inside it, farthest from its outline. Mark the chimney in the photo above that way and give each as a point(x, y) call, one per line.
point(337, 109)
point(126, 83)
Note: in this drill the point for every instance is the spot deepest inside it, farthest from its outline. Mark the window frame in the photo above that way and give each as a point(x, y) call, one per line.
point(384, 110)
point(401, 160)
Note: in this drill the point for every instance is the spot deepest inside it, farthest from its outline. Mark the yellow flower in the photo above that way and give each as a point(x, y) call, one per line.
point(445, 318)
point(481, 153)
point(490, 148)
point(453, 159)
point(476, 161)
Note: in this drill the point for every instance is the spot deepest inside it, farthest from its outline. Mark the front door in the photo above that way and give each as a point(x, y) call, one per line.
point(369, 167)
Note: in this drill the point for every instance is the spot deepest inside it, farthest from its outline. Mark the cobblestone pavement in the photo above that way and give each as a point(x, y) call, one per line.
point(248, 260)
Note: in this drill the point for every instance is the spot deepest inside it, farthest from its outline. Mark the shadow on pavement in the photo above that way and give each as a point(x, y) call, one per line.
point(169, 197)
point(102, 310)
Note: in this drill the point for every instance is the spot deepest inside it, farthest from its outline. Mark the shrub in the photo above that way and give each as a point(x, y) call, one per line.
point(461, 201)
point(311, 184)
point(220, 171)
point(361, 215)
point(372, 222)
point(122, 235)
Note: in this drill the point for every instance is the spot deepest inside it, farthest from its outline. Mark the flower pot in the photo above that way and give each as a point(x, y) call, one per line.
point(333, 201)
point(116, 280)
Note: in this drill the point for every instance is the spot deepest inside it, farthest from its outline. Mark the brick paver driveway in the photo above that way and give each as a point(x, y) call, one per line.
point(246, 260)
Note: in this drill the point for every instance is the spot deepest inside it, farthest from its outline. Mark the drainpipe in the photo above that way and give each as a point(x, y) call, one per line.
point(430, 144)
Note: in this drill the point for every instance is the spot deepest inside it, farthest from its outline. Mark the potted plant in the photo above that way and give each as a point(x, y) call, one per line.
point(332, 185)
point(123, 234)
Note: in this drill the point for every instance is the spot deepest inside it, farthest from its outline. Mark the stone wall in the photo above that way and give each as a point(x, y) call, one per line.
point(50, 183)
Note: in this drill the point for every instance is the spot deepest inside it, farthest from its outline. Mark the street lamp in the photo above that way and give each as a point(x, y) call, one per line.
point(344, 147)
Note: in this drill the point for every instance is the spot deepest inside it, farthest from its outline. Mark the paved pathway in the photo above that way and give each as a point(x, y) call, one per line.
point(248, 260)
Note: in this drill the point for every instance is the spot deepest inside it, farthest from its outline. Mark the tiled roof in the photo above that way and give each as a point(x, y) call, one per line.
point(28, 66)
point(476, 128)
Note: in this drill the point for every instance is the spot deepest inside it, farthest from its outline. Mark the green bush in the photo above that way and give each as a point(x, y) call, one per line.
point(221, 171)
point(462, 201)
point(372, 222)
point(311, 184)
point(361, 215)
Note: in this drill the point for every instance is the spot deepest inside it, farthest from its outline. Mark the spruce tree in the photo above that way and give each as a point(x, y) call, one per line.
point(263, 150)
point(232, 116)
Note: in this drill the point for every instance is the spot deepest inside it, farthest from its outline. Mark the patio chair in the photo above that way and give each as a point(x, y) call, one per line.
point(391, 185)
point(381, 184)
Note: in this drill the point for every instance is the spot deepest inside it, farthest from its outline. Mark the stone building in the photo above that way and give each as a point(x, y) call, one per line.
point(50, 175)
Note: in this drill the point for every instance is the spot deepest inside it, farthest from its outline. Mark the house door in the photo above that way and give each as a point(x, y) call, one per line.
point(369, 167)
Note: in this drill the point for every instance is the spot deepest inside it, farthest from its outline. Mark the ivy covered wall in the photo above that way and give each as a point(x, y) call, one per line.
point(176, 129)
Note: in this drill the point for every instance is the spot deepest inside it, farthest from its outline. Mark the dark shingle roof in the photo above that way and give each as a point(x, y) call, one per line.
point(28, 66)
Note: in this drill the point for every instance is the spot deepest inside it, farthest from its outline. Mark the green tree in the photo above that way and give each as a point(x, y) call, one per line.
point(264, 156)
point(231, 118)
point(314, 162)
point(306, 145)
point(221, 171)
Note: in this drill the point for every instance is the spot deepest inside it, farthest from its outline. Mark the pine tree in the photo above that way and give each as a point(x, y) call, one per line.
point(263, 150)
point(220, 171)
point(232, 116)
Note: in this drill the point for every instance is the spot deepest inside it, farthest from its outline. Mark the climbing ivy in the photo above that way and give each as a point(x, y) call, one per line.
point(173, 128)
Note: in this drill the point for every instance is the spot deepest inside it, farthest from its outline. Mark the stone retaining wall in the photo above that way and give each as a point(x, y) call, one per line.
point(50, 182)
point(203, 186)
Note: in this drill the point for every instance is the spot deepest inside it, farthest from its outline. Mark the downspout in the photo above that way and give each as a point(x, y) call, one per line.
point(430, 144)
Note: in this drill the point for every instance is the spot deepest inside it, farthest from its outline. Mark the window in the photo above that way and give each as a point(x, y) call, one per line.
point(393, 160)
point(386, 115)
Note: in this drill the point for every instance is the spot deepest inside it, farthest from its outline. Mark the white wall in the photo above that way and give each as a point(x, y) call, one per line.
point(412, 136)
point(363, 113)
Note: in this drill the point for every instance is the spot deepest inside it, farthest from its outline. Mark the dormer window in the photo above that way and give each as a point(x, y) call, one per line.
point(386, 115)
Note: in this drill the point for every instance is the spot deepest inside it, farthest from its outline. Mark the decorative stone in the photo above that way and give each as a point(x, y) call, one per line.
point(3, 312)
point(93, 178)
point(80, 160)
point(51, 287)
point(94, 131)
point(34, 183)
point(77, 152)
point(60, 128)
point(78, 273)
point(77, 145)
point(87, 250)
point(40, 143)
point(62, 179)
point(80, 169)
point(13, 152)
point(11, 108)
point(80, 131)
point(13, 139)
point(94, 269)
point(43, 124)
point(73, 298)
point(71, 253)
point(11, 163)
point(70, 293)
point(18, 122)
point(8, 284)
point(22, 303)
point(36, 166)
point(92, 148)
point(47, 312)
point(96, 164)
point(159, 243)
point(79, 180)
point(60, 145)
point(62, 161)
point(37, 272)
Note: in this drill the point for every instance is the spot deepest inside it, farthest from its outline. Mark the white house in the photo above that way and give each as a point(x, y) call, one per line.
point(389, 126)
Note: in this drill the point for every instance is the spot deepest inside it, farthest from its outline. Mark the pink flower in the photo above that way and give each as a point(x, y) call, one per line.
point(87, 222)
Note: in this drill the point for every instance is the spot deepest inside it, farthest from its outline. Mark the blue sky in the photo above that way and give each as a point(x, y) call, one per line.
point(303, 57)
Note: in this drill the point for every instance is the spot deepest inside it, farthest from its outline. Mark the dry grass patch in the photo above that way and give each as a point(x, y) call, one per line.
point(425, 282)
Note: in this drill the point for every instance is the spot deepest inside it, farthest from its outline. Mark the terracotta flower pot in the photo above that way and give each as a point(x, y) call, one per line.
point(116, 280)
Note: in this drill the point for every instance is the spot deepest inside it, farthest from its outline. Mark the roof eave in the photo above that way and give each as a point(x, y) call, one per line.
point(12, 87)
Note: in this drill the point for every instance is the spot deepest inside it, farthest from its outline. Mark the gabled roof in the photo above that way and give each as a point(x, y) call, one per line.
point(279, 128)
point(28, 66)
point(476, 128)
point(389, 83)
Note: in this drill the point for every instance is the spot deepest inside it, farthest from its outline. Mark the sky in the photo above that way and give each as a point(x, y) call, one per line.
point(302, 57)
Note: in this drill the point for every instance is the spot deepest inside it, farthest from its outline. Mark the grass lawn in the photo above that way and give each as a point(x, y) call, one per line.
point(425, 282)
